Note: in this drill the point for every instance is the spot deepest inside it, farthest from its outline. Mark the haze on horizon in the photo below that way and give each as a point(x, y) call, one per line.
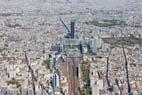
point(65, 4)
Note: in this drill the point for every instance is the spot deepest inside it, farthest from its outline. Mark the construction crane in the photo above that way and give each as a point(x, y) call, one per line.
point(32, 74)
point(70, 32)
point(65, 25)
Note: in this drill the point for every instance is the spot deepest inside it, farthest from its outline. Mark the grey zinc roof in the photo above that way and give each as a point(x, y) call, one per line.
point(71, 42)
point(73, 53)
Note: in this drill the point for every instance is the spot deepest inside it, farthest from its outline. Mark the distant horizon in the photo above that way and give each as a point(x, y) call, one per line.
point(101, 3)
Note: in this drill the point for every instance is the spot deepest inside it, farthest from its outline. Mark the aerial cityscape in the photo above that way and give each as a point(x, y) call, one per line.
point(70, 47)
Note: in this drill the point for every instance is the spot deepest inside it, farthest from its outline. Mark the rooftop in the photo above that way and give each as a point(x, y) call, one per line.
point(73, 53)
point(71, 42)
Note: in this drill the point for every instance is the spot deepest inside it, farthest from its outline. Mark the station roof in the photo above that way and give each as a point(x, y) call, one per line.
point(73, 53)
point(71, 41)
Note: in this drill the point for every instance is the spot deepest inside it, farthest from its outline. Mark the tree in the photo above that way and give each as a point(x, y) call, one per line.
point(47, 63)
